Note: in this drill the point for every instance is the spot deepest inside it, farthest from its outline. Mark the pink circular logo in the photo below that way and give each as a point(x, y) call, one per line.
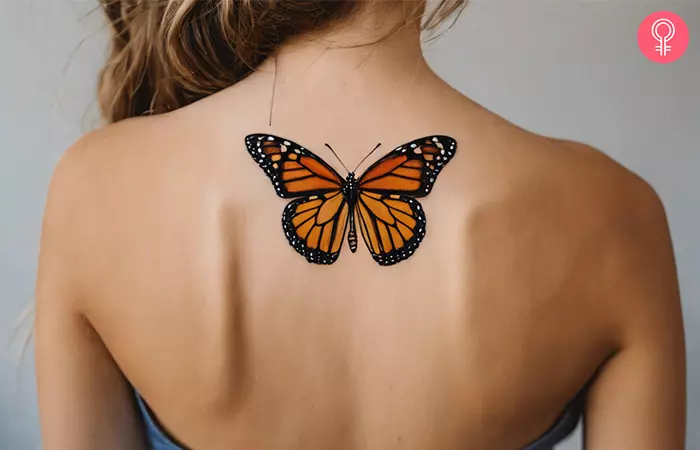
point(663, 37)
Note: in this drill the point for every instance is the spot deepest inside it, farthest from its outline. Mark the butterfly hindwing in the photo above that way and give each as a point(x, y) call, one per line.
point(315, 226)
point(410, 169)
point(293, 170)
point(391, 225)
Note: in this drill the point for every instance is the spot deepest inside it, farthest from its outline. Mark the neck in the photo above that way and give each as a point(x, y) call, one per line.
point(360, 75)
point(370, 51)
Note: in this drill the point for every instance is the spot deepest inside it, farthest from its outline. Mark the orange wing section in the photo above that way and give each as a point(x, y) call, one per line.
point(410, 169)
point(293, 170)
point(384, 167)
point(392, 226)
point(394, 184)
point(315, 226)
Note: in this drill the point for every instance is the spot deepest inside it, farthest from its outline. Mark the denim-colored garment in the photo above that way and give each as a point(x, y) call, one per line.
point(159, 440)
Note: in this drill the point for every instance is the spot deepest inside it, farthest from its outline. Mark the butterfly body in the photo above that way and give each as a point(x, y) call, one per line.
point(350, 188)
point(381, 203)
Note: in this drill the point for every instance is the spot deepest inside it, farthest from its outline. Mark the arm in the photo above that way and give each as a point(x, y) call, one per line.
point(638, 400)
point(84, 401)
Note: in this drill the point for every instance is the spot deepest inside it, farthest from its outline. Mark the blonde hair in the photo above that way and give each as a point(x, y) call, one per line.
point(169, 53)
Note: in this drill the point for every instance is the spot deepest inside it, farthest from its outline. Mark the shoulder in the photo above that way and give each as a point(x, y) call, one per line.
point(142, 149)
point(113, 181)
point(632, 289)
point(96, 179)
point(112, 161)
point(81, 183)
point(83, 165)
point(621, 197)
point(594, 189)
point(595, 171)
point(619, 225)
point(573, 176)
point(576, 213)
point(513, 160)
point(120, 143)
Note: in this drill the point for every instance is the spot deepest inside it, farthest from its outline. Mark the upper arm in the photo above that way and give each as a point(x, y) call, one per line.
point(638, 399)
point(84, 401)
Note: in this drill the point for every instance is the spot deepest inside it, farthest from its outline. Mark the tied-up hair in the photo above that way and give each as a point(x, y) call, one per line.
point(169, 53)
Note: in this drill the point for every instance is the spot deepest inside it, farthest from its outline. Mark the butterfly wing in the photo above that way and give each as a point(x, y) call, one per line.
point(293, 170)
point(410, 169)
point(391, 225)
point(315, 226)
point(391, 220)
point(315, 222)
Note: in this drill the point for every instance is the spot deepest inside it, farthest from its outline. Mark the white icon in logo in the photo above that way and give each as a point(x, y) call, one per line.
point(663, 48)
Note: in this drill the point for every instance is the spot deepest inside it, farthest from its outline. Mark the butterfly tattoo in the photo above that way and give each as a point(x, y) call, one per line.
point(381, 203)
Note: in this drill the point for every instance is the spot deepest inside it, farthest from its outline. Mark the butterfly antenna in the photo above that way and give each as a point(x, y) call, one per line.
point(368, 155)
point(337, 157)
point(272, 98)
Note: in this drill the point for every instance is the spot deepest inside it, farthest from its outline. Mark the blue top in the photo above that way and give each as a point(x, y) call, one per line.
point(566, 423)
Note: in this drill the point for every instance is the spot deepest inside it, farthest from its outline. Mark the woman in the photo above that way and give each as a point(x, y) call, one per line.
point(469, 286)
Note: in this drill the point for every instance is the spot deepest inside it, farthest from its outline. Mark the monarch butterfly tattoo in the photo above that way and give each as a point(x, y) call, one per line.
point(381, 203)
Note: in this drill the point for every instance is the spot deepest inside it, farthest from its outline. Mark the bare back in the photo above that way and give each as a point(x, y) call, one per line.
point(524, 286)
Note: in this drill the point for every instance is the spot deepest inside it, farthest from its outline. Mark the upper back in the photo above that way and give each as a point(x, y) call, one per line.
point(231, 336)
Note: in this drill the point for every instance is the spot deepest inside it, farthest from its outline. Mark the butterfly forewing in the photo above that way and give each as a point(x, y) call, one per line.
point(410, 169)
point(293, 170)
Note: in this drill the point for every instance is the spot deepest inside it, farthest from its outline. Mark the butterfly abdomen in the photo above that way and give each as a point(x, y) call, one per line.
point(352, 234)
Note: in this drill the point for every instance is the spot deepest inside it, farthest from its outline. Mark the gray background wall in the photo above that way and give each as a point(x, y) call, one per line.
point(565, 68)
